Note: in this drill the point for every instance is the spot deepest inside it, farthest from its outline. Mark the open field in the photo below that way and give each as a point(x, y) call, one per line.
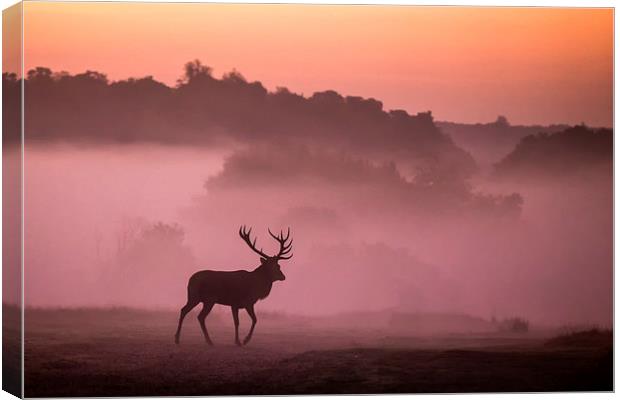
point(118, 352)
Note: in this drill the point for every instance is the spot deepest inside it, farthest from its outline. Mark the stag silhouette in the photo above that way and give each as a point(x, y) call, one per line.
point(237, 289)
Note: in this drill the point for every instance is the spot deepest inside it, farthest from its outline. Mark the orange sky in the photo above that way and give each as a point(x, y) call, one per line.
point(534, 65)
point(11, 38)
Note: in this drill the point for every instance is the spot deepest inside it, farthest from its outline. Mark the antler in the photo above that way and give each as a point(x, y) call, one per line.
point(285, 248)
point(246, 238)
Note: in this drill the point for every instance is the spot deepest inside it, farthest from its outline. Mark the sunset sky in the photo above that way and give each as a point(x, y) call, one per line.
point(534, 65)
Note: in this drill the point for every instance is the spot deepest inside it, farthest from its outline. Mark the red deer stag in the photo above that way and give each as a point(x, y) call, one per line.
point(237, 289)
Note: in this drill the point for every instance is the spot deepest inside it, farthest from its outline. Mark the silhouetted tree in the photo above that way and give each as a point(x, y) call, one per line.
point(194, 70)
point(502, 121)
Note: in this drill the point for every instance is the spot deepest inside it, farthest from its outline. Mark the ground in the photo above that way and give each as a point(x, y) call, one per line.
point(119, 352)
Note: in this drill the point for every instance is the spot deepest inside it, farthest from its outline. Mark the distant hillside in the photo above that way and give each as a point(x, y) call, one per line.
point(202, 110)
point(571, 151)
point(488, 143)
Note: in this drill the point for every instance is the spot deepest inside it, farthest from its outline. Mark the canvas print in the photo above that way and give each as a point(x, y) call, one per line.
point(288, 199)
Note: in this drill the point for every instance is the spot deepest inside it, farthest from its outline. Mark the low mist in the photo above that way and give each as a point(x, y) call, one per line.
point(126, 225)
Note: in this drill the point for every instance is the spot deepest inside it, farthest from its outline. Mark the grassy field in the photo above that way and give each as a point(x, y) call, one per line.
point(118, 352)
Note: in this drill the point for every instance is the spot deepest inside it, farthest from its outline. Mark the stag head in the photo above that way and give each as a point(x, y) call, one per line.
point(270, 263)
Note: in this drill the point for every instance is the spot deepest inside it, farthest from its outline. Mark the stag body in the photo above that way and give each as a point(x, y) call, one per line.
point(237, 289)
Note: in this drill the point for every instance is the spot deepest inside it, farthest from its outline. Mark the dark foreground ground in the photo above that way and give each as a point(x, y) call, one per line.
point(126, 353)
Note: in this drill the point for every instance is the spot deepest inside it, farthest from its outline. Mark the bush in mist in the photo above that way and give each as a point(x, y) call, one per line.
point(156, 247)
point(154, 258)
point(341, 182)
point(515, 324)
point(364, 276)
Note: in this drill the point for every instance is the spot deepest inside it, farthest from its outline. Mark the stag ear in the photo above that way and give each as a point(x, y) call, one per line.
point(263, 260)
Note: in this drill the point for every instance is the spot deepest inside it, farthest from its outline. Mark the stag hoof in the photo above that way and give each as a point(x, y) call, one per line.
point(246, 340)
point(176, 339)
point(238, 343)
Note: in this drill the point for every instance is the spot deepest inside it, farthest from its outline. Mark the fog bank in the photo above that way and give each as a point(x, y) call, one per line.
point(128, 225)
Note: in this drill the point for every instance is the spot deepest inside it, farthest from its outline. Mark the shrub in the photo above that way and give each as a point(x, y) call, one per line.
point(516, 324)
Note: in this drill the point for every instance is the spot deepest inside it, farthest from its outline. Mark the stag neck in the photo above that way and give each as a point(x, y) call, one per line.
point(261, 271)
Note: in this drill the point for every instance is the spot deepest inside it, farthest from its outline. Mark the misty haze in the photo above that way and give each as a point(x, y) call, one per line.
point(417, 242)
point(413, 233)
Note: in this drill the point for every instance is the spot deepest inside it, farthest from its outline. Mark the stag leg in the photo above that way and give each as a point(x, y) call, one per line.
point(252, 315)
point(206, 309)
point(186, 308)
point(235, 313)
